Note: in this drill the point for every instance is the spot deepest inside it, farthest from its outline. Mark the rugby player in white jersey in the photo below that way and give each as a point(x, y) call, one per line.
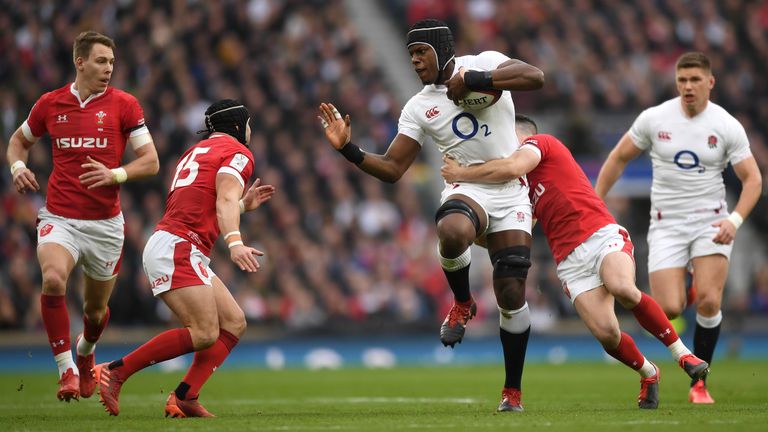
point(691, 140)
point(498, 213)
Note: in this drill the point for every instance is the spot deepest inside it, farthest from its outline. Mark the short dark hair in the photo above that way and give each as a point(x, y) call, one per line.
point(85, 41)
point(526, 123)
point(693, 60)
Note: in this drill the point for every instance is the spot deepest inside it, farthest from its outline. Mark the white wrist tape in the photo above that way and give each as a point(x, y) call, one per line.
point(736, 219)
point(120, 175)
point(234, 243)
point(230, 234)
point(17, 166)
point(242, 207)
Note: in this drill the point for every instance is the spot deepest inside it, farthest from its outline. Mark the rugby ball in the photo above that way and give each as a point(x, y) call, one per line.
point(480, 99)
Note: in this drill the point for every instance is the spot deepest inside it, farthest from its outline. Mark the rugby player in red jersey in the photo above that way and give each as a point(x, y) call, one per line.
point(90, 124)
point(203, 201)
point(594, 255)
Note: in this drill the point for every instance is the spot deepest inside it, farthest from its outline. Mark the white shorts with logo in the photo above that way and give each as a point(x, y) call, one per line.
point(507, 205)
point(96, 245)
point(172, 262)
point(674, 241)
point(579, 272)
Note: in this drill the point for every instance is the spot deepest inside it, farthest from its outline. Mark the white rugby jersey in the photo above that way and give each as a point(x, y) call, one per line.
point(469, 137)
point(689, 155)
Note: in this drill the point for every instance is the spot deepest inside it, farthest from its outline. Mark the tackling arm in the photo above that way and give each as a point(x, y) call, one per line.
point(614, 165)
point(518, 164)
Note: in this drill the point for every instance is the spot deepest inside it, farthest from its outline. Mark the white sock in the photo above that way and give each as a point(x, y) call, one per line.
point(84, 347)
point(64, 361)
point(678, 349)
point(648, 370)
point(710, 322)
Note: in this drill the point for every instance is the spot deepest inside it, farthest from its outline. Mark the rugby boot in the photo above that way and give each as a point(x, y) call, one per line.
point(649, 391)
point(85, 365)
point(510, 400)
point(69, 386)
point(181, 408)
point(695, 367)
point(452, 329)
point(699, 394)
point(110, 383)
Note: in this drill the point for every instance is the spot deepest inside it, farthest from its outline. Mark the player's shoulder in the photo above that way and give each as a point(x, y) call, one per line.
point(55, 94)
point(719, 112)
point(122, 95)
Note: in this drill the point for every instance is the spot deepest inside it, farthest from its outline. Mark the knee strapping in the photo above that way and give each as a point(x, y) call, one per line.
point(453, 264)
point(515, 321)
point(511, 262)
point(459, 206)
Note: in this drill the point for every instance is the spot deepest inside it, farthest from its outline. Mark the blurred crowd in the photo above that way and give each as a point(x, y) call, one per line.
point(342, 247)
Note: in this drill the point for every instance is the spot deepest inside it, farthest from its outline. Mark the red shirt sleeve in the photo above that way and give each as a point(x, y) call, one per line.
point(36, 119)
point(133, 115)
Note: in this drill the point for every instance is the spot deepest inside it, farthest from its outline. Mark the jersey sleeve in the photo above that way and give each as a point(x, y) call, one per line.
point(408, 126)
point(490, 60)
point(640, 132)
point(737, 143)
point(133, 118)
point(534, 144)
point(34, 127)
point(239, 165)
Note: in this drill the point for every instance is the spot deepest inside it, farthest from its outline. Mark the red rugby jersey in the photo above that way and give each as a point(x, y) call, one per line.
point(190, 210)
point(563, 199)
point(98, 127)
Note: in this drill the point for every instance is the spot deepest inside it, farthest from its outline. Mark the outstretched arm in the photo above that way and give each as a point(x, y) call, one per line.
point(516, 74)
point(614, 165)
point(518, 164)
point(388, 167)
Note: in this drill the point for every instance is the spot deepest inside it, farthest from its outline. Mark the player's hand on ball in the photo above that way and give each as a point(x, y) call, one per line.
point(457, 89)
point(96, 175)
point(245, 257)
point(450, 170)
point(338, 130)
point(24, 180)
point(257, 195)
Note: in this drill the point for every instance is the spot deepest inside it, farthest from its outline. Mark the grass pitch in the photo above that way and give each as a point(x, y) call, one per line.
point(570, 397)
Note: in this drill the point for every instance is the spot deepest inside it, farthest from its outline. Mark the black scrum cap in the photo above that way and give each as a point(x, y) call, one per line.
point(437, 35)
point(228, 116)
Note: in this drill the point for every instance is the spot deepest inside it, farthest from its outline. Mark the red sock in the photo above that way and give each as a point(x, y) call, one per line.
point(650, 315)
point(165, 346)
point(627, 352)
point(206, 362)
point(56, 321)
point(92, 332)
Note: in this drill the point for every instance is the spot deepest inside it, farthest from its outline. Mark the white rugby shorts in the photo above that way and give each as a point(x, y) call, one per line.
point(172, 262)
point(96, 245)
point(674, 241)
point(507, 205)
point(579, 272)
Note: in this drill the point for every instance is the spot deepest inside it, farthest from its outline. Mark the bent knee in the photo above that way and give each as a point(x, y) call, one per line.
point(609, 336)
point(203, 338)
point(54, 282)
point(235, 324)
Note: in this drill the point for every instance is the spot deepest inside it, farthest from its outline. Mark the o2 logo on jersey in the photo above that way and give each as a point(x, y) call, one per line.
point(468, 133)
point(688, 160)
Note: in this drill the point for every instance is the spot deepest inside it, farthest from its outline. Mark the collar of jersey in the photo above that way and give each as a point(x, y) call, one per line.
point(76, 93)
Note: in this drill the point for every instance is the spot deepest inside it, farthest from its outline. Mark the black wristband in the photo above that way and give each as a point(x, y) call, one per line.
point(352, 153)
point(478, 80)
